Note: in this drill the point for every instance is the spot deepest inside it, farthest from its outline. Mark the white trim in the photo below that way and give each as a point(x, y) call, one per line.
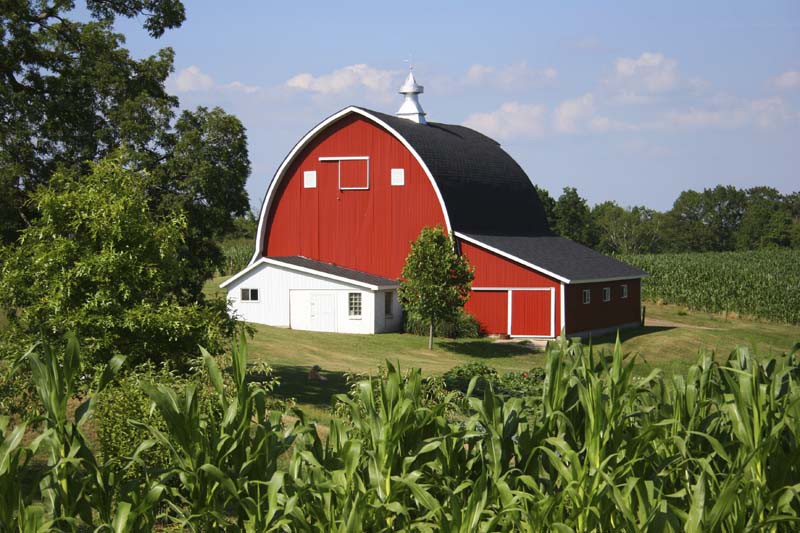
point(302, 143)
point(584, 294)
point(270, 261)
point(606, 290)
point(552, 311)
point(624, 295)
point(512, 257)
point(512, 288)
point(563, 310)
point(339, 169)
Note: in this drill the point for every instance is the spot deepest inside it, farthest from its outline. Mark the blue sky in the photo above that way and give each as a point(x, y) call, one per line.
point(627, 101)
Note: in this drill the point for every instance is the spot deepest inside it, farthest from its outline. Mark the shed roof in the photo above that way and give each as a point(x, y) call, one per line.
point(561, 258)
point(336, 270)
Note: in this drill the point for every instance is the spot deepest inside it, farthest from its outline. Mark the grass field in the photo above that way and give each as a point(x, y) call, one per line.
point(670, 340)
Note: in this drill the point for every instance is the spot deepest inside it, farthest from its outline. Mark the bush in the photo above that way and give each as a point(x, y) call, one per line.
point(463, 326)
point(17, 392)
point(458, 377)
point(126, 400)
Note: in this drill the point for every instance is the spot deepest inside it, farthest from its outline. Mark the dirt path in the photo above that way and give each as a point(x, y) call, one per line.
point(670, 324)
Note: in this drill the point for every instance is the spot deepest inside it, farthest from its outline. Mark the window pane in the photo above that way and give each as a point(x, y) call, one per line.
point(254, 294)
point(354, 304)
point(245, 295)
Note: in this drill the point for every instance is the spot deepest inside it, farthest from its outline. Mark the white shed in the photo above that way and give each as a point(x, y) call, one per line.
point(301, 293)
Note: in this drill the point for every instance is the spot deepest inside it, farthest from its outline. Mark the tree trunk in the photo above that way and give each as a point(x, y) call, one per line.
point(430, 337)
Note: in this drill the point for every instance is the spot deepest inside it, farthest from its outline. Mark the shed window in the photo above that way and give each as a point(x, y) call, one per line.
point(624, 291)
point(398, 177)
point(249, 295)
point(310, 179)
point(387, 303)
point(353, 171)
point(354, 305)
point(587, 296)
point(606, 294)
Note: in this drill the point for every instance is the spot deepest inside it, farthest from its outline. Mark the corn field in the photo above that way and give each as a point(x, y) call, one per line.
point(236, 255)
point(762, 283)
point(596, 450)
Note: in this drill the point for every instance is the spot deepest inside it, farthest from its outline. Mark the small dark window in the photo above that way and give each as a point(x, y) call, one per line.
point(624, 291)
point(354, 304)
point(249, 295)
point(606, 294)
point(587, 296)
point(387, 303)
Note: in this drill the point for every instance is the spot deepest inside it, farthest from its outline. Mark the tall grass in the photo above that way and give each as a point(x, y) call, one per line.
point(594, 449)
point(237, 254)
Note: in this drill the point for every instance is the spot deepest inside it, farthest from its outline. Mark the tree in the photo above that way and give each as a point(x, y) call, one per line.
point(70, 94)
point(767, 220)
point(101, 262)
point(436, 280)
point(633, 230)
point(573, 219)
point(548, 204)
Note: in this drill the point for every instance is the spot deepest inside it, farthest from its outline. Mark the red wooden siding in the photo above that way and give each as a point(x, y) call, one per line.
point(364, 230)
point(492, 270)
point(599, 314)
point(530, 313)
point(490, 309)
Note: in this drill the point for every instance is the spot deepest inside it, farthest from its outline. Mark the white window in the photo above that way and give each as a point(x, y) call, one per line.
point(353, 171)
point(354, 305)
point(606, 294)
point(249, 295)
point(624, 291)
point(387, 303)
point(398, 177)
point(587, 296)
point(310, 179)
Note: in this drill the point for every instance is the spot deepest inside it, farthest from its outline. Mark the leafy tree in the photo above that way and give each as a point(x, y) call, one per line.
point(767, 220)
point(548, 204)
point(620, 230)
point(101, 262)
point(70, 94)
point(573, 219)
point(685, 228)
point(436, 280)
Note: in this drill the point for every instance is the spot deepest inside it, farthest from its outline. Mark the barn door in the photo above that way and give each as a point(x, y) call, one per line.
point(322, 308)
point(532, 313)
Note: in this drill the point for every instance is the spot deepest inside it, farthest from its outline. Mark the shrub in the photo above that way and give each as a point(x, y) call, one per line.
point(458, 377)
point(463, 326)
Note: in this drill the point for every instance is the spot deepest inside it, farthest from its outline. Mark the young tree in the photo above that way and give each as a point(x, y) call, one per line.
point(99, 261)
point(436, 280)
point(548, 204)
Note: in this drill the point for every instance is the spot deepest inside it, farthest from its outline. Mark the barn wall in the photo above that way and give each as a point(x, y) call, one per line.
point(492, 270)
point(599, 314)
point(275, 284)
point(366, 230)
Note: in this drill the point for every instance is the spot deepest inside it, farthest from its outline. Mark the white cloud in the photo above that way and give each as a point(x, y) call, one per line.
point(518, 75)
point(511, 120)
point(344, 79)
point(654, 72)
point(732, 113)
point(239, 86)
point(788, 80)
point(570, 114)
point(190, 79)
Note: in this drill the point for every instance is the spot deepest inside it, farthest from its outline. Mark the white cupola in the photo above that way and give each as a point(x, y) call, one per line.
point(411, 109)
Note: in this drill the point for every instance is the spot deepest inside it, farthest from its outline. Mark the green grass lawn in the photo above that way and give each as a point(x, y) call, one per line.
point(669, 347)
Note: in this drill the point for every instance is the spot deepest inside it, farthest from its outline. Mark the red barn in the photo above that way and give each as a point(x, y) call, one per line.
point(340, 213)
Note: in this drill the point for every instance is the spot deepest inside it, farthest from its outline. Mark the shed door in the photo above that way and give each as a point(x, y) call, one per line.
point(312, 311)
point(532, 313)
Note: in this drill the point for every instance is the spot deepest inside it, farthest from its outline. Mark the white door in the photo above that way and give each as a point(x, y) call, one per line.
point(322, 308)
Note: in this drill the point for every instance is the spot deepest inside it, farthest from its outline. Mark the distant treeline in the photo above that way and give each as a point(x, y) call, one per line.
point(720, 219)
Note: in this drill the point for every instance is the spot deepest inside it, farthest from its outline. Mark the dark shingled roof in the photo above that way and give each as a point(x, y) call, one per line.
point(485, 190)
point(329, 268)
point(561, 256)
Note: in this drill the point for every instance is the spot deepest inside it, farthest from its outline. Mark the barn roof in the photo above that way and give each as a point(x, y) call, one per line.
point(559, 257)
point(337, 271)
point(484, 189)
